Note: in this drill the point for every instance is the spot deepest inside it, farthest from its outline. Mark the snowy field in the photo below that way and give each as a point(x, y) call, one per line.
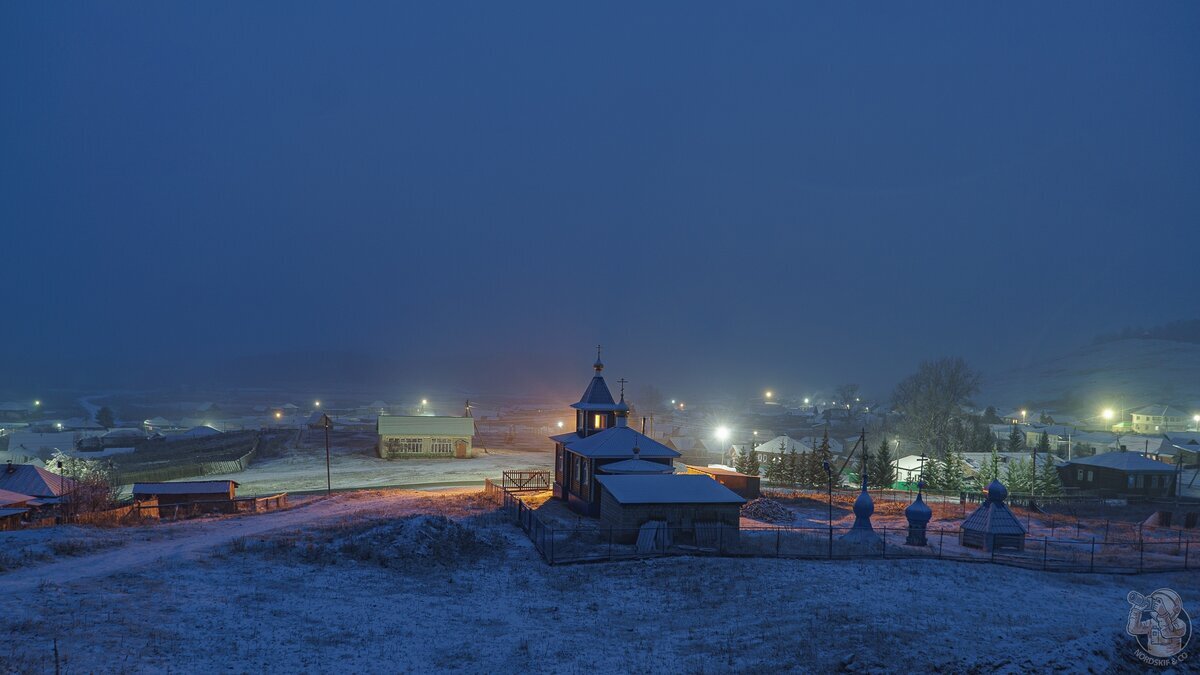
point(355, 467)
point(383, 582)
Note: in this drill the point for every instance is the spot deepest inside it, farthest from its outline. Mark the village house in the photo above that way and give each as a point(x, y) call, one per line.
point(1158, 419)
point(26, 479)
point(1120, 473)
point(402, 436)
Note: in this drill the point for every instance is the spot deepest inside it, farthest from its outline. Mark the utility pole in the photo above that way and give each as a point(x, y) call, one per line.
point(326, 422)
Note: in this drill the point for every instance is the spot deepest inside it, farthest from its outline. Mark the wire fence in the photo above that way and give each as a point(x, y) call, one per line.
point(565, 545)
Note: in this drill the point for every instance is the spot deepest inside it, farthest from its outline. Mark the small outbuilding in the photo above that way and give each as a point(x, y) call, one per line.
point(742, 484)
point(680, 501)
point(209, 495)
point(27, 479)
point(992, 526)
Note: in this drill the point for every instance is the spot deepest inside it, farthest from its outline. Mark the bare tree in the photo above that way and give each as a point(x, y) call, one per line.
point(933, 396)
point(846, 393)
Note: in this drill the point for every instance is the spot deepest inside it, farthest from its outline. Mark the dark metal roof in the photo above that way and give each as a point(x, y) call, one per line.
point(675, 489)
point(1129, 462)
point(993, 516)
point(596, 396)
point(615, 442)
point(35, 481)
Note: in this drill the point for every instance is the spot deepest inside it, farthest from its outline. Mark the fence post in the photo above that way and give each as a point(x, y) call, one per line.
point(778, 534)
point(1045, 552)
point(721, 538)
point(1186, 545)
point(610, 538)
point(884, 538)
point(1092, 560)
point(1141, 552)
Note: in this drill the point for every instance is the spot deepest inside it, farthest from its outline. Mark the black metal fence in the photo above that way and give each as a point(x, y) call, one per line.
point(562, 545)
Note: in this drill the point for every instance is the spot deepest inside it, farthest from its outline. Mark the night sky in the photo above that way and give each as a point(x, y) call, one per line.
point(476, 194)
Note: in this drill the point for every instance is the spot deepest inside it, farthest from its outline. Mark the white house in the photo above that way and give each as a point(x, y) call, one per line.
point(425, 436)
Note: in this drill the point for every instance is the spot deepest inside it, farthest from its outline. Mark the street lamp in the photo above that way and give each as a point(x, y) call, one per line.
point(560, 424)
point(1107, 414)
point(1023, 414)
point(317, 404)
point(829, 472)
point(805, 401)
point(769, 394)
point(722, 433)
point(1196, 422)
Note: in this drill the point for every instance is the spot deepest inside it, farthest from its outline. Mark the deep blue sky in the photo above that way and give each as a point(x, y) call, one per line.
point(724, 195)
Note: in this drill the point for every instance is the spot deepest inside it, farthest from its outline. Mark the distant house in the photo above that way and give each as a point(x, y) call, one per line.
point(782, 445)
point(694, 450)
point(1120, 473)
point(202, 431)
point(1158, 419)
point(425, 436)
point(211, 495)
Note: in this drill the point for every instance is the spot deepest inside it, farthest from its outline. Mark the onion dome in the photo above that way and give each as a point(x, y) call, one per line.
point(598, 365)
point(864, 506)
point(996, 492)
point(918, 512)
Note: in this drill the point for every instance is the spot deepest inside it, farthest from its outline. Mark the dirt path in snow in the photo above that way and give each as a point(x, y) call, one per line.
point(184, 540)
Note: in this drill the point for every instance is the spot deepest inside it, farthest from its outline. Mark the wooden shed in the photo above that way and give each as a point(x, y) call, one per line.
point(742, 484)
point(681, 501)
point(207, 495)
point(1120, 473)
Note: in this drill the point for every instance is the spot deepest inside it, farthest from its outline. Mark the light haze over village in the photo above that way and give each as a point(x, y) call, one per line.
point(690, 337)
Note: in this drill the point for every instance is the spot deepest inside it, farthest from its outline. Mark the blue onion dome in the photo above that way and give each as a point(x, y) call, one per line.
point(918, 511)
point(996, 491)
point(622, 406)
point(864, 506)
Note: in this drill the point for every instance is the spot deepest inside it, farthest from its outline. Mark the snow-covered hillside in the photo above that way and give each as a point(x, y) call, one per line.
point(1123, 373)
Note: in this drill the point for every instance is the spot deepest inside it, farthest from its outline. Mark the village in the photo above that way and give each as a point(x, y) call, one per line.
point(475, 500)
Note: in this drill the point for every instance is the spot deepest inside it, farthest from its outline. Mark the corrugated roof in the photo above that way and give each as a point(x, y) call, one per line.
point(616, 442)
point(422, 425)
point(1127, 461)
point(194, 487)
point(35, 481)
point(673, 489)
point(9, 497)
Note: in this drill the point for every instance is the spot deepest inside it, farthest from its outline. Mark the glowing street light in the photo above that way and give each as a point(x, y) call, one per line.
point(424, 402)
point(1107, 414)
point(1023, 413)
point(278, 415)
point(317, 404)
point(805, 401)
point(560, 424)
point(722, 433)
point(769, 394)
point(37, 404)
point(672, 401)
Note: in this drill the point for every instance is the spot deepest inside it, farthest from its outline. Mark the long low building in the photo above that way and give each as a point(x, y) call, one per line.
point(425, 436)
point(682, 501)
point(1120, 473)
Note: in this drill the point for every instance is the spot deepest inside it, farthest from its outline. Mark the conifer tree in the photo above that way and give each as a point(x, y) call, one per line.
point(1016, 440)
point(1048, 479)
point(990, 470)
point(753, 465)
point(1018, 476)
point(741, 462)
point(883, 471)
point(772, 472)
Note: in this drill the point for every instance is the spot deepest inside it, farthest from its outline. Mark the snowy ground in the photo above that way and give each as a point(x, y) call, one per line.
point(304, 469)
point(342, 584)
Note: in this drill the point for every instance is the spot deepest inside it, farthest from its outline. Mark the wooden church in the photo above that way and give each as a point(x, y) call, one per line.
point(602, 443)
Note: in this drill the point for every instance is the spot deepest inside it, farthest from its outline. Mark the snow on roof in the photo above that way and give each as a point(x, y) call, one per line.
point(673, 489)
point(4, 513)
point(993, 517)
point(424, 425)
point(716, 470)
point(614, 442)
point(785, 444)
point(635, 466)
point(9, 497)
point(1129, 462)
point(1159, 410)
point(124, 433)
point(199, 432)
point(194, 487)
point(35, 481)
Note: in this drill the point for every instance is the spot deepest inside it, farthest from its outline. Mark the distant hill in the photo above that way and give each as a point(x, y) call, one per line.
point(1113, 372)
